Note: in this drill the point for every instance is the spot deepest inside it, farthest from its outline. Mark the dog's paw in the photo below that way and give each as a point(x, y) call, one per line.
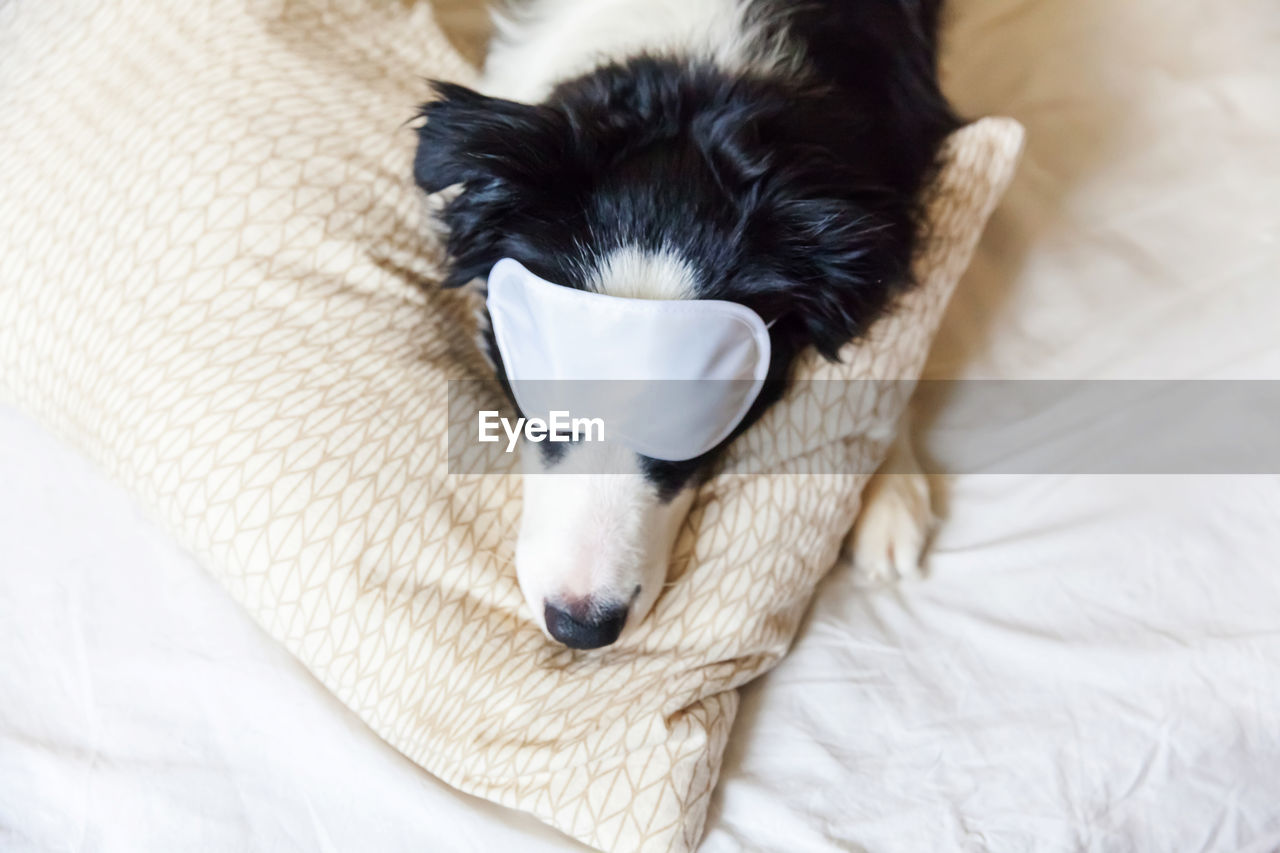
point(888, 540)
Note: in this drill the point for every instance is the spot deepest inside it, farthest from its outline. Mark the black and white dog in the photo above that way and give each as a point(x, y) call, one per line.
point(764, 152)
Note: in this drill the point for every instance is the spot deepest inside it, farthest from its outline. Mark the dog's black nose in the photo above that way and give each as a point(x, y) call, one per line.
point(585, 627)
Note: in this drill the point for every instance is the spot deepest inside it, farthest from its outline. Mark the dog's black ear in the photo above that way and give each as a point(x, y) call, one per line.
point(470, 138)
point(506, 156)
point(839, 264)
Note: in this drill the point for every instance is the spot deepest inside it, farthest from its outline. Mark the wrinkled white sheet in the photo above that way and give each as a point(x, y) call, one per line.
point(1094, 664)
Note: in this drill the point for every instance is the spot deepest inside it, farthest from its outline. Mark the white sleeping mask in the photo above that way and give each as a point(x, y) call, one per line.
point(669, 378)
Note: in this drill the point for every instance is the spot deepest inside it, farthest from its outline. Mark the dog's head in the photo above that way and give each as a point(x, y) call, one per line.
point(663, 181)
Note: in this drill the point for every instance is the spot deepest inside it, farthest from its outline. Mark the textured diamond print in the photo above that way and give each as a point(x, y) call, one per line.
point(215, 279)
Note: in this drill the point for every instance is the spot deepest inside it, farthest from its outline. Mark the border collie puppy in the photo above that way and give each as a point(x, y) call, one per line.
point(764, 152)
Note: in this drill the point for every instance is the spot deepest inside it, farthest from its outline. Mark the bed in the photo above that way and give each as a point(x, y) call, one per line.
point(1092, 663)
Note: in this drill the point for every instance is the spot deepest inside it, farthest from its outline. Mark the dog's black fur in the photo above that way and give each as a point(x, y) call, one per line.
point(795, 196)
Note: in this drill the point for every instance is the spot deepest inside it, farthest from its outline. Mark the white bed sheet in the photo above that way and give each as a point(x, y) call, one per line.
point(1093, 665)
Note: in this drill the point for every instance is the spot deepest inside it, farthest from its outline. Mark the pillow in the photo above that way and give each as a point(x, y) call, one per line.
point(217, 280)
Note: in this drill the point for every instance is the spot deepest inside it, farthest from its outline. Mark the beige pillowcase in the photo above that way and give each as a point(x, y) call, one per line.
point(216, 280)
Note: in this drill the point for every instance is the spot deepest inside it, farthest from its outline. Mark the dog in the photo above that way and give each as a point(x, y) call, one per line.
point(769, 153)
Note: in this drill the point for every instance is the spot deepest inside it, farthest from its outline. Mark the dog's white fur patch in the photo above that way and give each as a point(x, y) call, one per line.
point(637, 274)
point(549, 41)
